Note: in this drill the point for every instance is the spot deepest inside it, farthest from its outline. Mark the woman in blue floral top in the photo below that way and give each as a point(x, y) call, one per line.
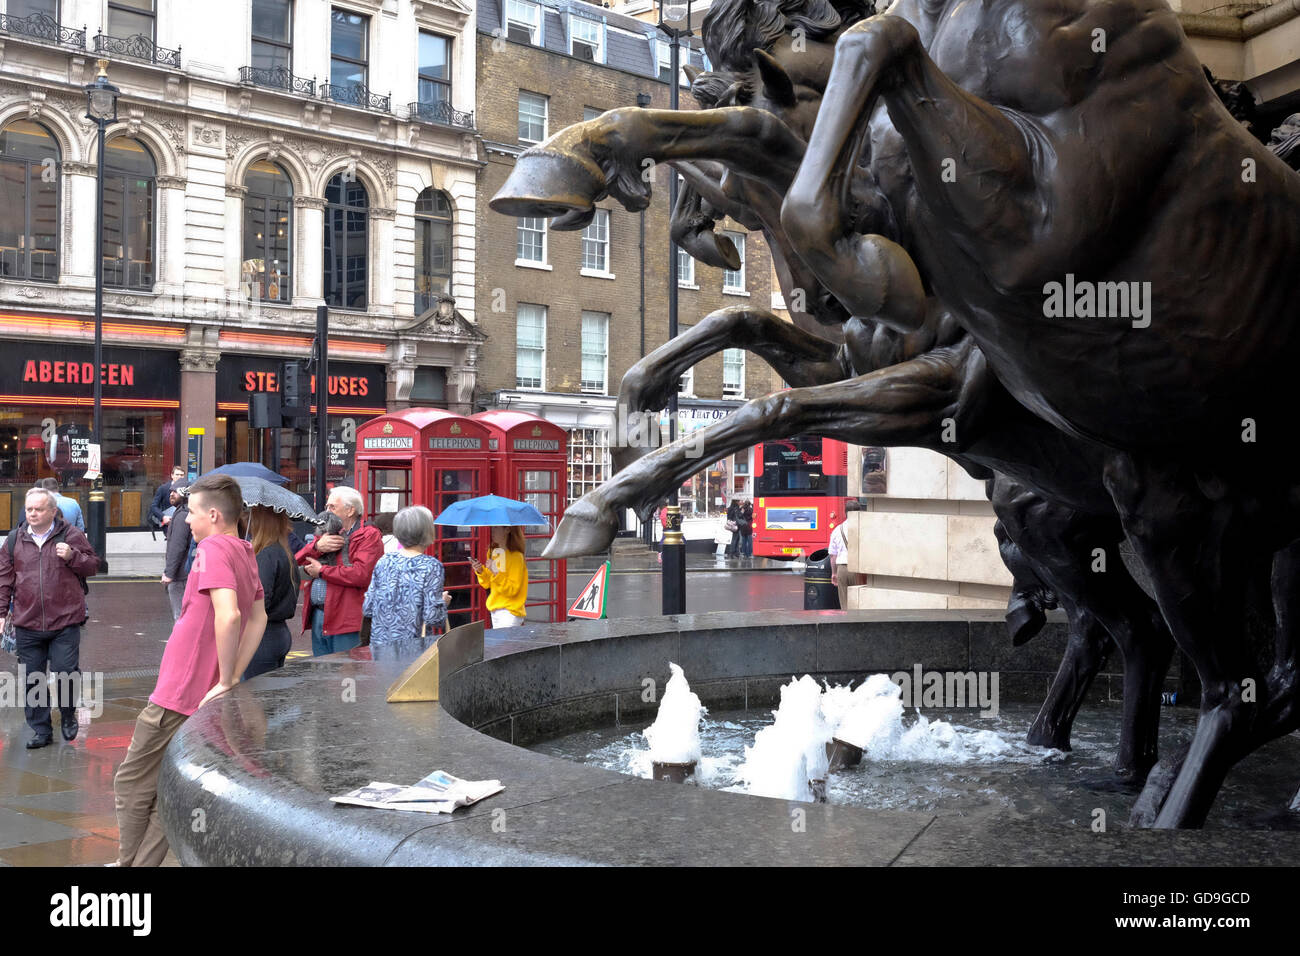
point(405, 601)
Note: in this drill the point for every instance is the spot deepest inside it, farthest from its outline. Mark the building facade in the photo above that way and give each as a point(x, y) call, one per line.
point(269, 157)
point(568, 313)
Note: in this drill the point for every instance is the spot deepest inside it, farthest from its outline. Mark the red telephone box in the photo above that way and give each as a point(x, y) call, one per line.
point(529, 461)
point(431, 457)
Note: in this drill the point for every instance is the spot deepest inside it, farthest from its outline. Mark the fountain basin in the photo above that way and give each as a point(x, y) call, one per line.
point(262, 762)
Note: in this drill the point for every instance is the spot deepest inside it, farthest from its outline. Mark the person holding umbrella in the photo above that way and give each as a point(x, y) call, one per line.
point(505, 576)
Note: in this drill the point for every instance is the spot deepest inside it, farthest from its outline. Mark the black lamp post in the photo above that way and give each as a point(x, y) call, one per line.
point(643, 100)
point(101, 106)
point(675, 22)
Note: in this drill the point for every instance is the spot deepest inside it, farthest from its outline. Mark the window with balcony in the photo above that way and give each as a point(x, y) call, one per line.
point(587, 39)
point(532, 117)
point(29, 202)
point(346, 266)
point(595, 243)
point(433, 222)
point(129, 18)
point(524, 22)
point(349, 54)
point(530, 240)
point(434, 70)
point(595, 351)
point(530, 346)
point(129, 179)
point(272, 59)
point(268, 234)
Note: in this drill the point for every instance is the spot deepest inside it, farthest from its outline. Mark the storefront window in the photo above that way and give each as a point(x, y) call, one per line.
point(42, 442)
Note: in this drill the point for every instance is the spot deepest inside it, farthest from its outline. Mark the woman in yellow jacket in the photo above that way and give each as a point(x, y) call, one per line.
point(505, 576)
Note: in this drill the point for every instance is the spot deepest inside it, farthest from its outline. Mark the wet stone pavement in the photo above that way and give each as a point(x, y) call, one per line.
point(56, 803)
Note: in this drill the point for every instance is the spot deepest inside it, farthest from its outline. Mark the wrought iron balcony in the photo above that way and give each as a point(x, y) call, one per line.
point(354, 94)
point(138, 47)
point(44, 28)
point(440, 112)
point(277, 78)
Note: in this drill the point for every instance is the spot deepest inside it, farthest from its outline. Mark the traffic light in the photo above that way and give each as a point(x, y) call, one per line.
point(295, 391)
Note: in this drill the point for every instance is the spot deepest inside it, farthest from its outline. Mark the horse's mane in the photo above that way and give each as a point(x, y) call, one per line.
point(733, 29)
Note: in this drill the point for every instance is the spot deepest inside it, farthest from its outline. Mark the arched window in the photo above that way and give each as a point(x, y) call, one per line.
point(29, 203)
point(129, 179)
point(268, 234)
point(347, 207)
point(432, 248)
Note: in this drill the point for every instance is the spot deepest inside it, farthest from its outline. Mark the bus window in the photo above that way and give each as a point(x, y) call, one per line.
point(792, 464)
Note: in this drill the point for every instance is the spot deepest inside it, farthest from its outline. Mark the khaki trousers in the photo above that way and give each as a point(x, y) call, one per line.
point(141, 840)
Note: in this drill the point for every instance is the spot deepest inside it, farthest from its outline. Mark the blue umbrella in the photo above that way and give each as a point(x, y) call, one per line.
point(490, 510)
point(250, 469)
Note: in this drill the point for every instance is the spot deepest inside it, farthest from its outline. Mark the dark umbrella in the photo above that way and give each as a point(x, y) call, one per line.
point(250, 469)
point(259, 491)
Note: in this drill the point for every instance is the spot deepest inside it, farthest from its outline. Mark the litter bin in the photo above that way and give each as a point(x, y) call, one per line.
point(819, 593)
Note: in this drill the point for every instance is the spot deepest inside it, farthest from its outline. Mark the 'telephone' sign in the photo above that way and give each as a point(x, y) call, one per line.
point(389, 443)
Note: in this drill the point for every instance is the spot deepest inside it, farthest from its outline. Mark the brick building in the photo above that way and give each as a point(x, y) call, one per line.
point(563, 309)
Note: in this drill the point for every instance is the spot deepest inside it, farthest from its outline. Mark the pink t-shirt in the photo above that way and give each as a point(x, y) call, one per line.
point(189, 666)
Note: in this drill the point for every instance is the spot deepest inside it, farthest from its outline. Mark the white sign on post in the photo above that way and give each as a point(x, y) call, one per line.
point(92, 461)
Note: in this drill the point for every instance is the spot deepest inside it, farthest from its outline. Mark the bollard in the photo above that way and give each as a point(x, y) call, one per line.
point(674, 555)
point(819, 594)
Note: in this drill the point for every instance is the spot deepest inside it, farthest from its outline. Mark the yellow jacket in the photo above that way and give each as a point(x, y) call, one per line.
point(507, 589)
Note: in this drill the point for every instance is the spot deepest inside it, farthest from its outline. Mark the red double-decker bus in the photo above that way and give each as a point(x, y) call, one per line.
point(800, 488)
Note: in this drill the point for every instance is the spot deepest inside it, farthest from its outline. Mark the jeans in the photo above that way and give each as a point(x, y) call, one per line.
point(733, 549)
point(60, 652)
point(271, 653)
point(746, 545)
point(176, 594)
point(329, 644)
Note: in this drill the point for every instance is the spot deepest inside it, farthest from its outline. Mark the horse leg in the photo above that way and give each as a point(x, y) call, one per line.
point(799, 358)
point(903, 404)
point(1190, 533)
point(946, 130)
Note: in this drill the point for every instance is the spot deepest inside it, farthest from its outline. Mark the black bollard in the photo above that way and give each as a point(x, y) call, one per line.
point(674, 555)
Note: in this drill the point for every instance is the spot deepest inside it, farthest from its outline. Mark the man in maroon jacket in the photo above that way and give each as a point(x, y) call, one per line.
point(43, 567)
point(338, 569)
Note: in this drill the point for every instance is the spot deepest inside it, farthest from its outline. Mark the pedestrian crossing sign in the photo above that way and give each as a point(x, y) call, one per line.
point(591, 602)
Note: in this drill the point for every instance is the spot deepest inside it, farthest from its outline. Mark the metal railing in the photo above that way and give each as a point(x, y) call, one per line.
point(138, 47)
point(440, 112)
point(354, 94)
point(46, 29)
point(277, 78)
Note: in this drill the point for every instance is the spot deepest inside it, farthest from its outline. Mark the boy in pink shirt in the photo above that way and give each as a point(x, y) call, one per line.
point(212, 642)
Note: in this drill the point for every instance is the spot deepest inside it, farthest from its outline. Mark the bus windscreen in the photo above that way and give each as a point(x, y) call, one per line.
point(792, 466)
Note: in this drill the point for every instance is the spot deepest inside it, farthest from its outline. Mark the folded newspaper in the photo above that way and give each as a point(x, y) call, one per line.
point(439, 792)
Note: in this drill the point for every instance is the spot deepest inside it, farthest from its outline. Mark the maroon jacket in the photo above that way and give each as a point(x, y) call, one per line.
point(345, 585)
point(46, 590)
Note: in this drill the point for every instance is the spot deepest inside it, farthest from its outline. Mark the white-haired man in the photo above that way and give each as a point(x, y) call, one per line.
point(43, 566)
point(338, 569)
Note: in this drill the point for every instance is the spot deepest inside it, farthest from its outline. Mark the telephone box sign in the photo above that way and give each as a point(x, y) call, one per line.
point(458, 444)
point(389, 443)
point(537, 444)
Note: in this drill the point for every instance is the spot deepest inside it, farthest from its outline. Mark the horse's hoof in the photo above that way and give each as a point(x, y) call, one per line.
point(549, 183)
point(583, 530)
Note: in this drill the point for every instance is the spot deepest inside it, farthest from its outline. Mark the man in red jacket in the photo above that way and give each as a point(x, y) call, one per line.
point(335, 591)
point(43, 567)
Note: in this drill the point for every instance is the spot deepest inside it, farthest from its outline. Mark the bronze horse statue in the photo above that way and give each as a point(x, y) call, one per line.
point(1040, 146)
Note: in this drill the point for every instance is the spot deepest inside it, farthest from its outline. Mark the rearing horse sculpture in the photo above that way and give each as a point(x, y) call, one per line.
point(1044, 145)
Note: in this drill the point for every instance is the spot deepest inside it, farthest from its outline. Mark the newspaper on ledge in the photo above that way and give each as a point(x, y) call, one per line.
point(439, 792)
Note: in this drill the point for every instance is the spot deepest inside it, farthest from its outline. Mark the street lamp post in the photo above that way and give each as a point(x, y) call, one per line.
point(101, 107)
point(675, 22)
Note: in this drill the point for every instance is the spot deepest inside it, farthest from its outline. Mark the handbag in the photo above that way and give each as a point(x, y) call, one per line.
point(731, 525)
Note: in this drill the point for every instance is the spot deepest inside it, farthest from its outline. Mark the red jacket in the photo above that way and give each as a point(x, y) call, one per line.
point(345, 590)
point(46, 590)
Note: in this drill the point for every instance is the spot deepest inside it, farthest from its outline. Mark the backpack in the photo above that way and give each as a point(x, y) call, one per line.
point(11, 543)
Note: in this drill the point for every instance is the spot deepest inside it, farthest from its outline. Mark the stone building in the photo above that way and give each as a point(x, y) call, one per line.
point(563, 310)
point(270, 156)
